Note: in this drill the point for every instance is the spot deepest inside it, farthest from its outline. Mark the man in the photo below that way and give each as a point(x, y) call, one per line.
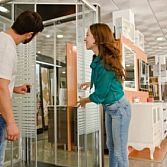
point(26, 26)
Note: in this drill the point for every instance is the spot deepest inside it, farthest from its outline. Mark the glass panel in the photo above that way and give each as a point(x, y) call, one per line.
point(59, 144)
point(88, 117)
point(19, 8)
point(55, 11)
point(52, 48)
point(38, 100)
point(129, 58)
point(4, 23)
point(45, 95)
point(66, 153)
point(24, 107)
point(12, 152)
point(6, 10)
point(143, 75)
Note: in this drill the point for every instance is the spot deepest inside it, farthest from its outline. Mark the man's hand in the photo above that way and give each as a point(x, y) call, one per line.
point(21, 89)
point(12, 131)
point(6, 110)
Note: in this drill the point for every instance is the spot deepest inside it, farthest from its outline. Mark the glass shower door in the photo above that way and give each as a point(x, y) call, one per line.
point(88, 118)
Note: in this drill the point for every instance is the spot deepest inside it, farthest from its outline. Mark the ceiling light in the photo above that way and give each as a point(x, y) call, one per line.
point(127, 65)
point(63, 72)
point(58, 65)
point(48, 36)
point(38, 52)
point(3, 9)
point(160, 47)
point(74, 48)
point(60, 36)
point(160, 39)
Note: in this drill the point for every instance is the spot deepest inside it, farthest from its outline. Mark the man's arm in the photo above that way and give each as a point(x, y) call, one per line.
point(6, 110)
point(5, 101)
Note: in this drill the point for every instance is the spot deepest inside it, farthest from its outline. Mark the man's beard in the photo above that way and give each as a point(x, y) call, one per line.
point(28, 40)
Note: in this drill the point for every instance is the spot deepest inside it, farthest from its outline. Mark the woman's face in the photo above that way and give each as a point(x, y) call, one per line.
point(90, 41)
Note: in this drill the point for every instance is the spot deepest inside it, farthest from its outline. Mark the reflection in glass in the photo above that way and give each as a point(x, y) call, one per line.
point(52, 53)
point(143, 75)
point(19, 8)
point(6, 11)
point(129, 57)
point(38, 99)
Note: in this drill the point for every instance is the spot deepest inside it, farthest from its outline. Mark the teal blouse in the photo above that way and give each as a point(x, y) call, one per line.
point(108, 88)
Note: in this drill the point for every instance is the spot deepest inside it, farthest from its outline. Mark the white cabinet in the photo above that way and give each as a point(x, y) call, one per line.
point(125, 28)
point(164, 120)
point(145, 129)
point(139, 39)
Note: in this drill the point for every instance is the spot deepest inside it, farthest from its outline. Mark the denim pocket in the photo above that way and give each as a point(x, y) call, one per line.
point(113, 107)
point(125, 110)
point(119, 108)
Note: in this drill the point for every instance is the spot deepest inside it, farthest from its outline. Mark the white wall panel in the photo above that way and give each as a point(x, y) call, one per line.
point(24, 106)
point(88, 117)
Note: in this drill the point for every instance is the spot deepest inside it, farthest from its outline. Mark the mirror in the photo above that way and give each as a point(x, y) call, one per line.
point(143, 75)
point(129, 64)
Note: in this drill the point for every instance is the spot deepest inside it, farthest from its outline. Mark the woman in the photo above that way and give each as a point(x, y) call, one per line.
point(107, 77)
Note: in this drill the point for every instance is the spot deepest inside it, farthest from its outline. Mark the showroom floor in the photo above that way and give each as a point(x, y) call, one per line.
point(132, 163)
point(69, 159)
point(47, 157)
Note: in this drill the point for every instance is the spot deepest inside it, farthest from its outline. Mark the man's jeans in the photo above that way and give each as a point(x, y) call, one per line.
point(2, 140)
point(117, 119)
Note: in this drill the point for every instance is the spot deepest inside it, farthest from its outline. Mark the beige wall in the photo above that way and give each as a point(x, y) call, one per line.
point(143, 95)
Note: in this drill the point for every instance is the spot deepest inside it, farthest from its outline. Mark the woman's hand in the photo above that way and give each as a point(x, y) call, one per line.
point(84, 85)
point(82, 102)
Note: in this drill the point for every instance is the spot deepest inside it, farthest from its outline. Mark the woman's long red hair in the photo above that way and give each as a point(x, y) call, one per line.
point(108, 50)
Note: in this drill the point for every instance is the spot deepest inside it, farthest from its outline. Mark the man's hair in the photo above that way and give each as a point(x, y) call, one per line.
point(28, 21)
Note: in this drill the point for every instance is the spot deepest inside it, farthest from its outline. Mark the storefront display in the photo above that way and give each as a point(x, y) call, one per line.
point(38, 100)
point(130, 67)
point(143, 75)
point(49, 79)
point(45, 81)
point(43, 95)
